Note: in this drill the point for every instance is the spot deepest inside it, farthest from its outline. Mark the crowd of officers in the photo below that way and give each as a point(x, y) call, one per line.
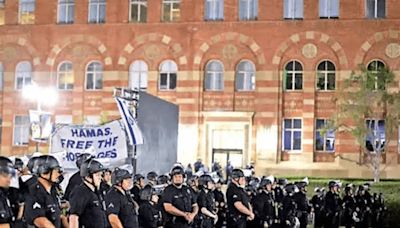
point(100, 198)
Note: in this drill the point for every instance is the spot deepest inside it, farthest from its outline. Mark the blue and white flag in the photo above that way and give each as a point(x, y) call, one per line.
point(132, 129)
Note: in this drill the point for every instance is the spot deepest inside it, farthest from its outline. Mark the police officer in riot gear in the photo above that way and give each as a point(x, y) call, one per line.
point(208, 214)
point(138, 184)
point(263, 204)
point(87, 206)
point(239, 208)
point(349, 206)
point(42, 207)
point(179, 203)
point(149, 215)
point(121, 209)
point(220, 204)
point(303, 207)
point(152, 178)
point(317, 202)
point(332, 205)
point(106, 182)
point(6, 172)
point(76, 179)
point(288, 215)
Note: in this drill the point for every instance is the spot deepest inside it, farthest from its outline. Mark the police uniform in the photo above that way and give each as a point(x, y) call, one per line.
point(236, 194)
point(288, 215)
point(349, 204)
point(149, 215)
point(206, 200)
point(88, 205)
point(221, 207)
point(6, 214)
point(303, 208)
point(181, 198)
point(135, 191)
point(332, 207)
point(121, 205)
point(74, 182)
point(41, 203)
point(317, 202)
point(104, 188)
point(263, 206)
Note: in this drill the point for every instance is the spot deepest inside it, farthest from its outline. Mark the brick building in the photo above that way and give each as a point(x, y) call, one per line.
point(253, 79)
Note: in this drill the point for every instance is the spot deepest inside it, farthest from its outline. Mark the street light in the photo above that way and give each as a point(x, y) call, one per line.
point(40, 121)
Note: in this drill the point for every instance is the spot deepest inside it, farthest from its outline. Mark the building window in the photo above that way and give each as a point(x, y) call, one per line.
point(2, 11)
point(324, 141)
point(171, 10)
point(293, 76)
point(248, 10)
point(23, 75)
point(138, 11)
point(1, 76)
point(326, 76)
point(63, 119)
point(21, 130)
point(168, 75)
point(292, 134)
point(329, 9)
point(214, 10)
point(26, 11)
point(293, 9)
point(375, 9)
point(97, 11)
point(66, 10)
point(138, 75)
point(374, 67)
point(376, 135)
point(245, 76)
point(214, 77)
point(65, 76)
point(94, 76)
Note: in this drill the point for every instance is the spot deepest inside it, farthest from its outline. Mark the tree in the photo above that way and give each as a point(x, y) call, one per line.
point(368, 109)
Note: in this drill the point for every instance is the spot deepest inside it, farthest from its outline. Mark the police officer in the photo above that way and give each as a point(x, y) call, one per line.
point(179, 203)
point(138, 182)
point(263, 204)
point(152, 178)
point(42, 207)
point(332, 205)
point(303, 207)
point(239, 208)
point(317, 202)
point(76, 179)
point(206, 201)
point(288, 214)
point(149, 214)
point(106, 183)
point(6, 173)
point(87, 206)
point(349, 206)
point(121, 209)
point(220, 204)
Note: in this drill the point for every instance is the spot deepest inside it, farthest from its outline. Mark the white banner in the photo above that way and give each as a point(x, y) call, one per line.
point(106, 142)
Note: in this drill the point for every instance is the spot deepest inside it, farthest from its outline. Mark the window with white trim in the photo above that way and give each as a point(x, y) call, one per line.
point(293, 76)
point(23, 75)
point(326, 76)
point(214, 76)
point(374, 67)
point(66, 11)
point(214, 10)
point(245, 79)
point(168, 75)
point(97, 11)
point(248, 10)
point(171, 10)
point(329, 9)
point(138, 11)
point(94, 76)
point(375, 9)
point(292, 134)
point(65, 76)
point(138, 75)
point(2, 12)
point(27, 11)
point(293, 9)
point(324, 139)
point(21, 130)
point(376, 136)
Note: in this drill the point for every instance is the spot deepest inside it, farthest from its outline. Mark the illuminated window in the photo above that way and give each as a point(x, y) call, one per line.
point(27, 11)
point(171, 10)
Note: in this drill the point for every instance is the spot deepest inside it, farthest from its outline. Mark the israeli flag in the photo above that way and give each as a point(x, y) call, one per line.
point(132, 129)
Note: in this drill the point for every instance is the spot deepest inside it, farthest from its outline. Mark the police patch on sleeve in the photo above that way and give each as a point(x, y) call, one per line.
point(110, 205)
point(235, 196)
point(36, 205)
